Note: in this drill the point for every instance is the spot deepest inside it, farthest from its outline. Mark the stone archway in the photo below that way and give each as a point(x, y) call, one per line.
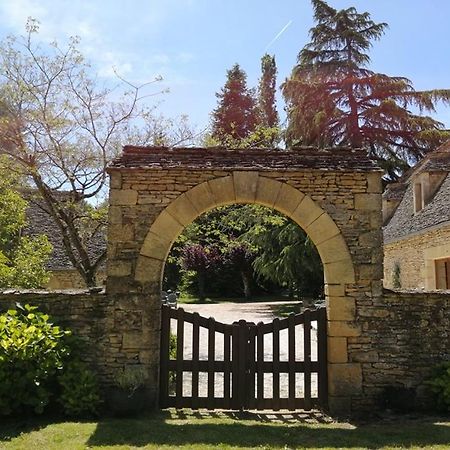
point(247, 187)
point(334, 196)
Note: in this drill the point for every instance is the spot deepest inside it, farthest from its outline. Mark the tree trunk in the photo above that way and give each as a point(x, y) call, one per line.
point(246, 281)
point(201, 285)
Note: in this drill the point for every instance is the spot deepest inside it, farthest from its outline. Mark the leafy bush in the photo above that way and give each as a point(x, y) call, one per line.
point(32, 350)
point(440, 385)
point(37, 365)
point(79, 390)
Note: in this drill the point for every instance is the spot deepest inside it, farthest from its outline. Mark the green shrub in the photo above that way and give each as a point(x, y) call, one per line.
point(38, 365)
point(440, 385)
point(32, 350)
point(79, 390)
point(173, 346)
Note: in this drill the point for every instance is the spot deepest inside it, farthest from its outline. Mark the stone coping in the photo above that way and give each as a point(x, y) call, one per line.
point(335, 159)
point(443, 293)
point(45, 292)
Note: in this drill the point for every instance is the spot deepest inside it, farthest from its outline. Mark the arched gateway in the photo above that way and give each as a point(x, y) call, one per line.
point(335, 196)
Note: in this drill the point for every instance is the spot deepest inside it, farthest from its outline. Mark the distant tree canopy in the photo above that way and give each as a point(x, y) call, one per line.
point(246, 117)
point(334, 99)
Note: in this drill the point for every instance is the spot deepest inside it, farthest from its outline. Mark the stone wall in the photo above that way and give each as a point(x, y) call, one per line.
point(404, 335)
point(415, 256)
point(116, 330)
point(71, 279)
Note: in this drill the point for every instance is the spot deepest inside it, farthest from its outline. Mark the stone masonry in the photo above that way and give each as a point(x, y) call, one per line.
point(335, 196)
point(112, 329)
point(376, 338)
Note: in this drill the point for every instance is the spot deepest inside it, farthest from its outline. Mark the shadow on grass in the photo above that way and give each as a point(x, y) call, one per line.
point(259, 430)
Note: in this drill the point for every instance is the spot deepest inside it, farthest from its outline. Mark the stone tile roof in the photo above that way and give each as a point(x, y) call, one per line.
point(247, 159)
point(435, 212)
point(405, 222)
point(439, 160)
point(40, 222)
point(395, 191)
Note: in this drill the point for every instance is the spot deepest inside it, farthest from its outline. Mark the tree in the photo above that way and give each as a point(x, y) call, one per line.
point(200, 259)
point(22, 258)
point(268, 114)
point(63, 128)
point(236, 114)
point(285, 256)
point(240, 256)
point(333, 99)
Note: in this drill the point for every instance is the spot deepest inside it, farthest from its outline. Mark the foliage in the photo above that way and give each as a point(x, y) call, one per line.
point(63, 127)
point(79, 390)
point(268, 114)
point(440, 385)
point(173, 346)
point(240, 236)
point(32, 351)
point(241, 256)
point(22, 258)
point(131, 378)
point(39, 363)
point(236, 114)
point(286, 255)
point(27, 268)
point(200, 259)
point(333, 99)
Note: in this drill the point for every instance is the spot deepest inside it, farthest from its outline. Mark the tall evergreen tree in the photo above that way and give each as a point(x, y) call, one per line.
point(334, 99)
point(267, 90)
point(235, 117)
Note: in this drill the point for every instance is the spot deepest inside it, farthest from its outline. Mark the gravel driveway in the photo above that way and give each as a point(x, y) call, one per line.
point(251, 312)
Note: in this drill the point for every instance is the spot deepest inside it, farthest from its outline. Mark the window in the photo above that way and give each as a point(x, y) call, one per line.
point(418, 198)
point(442, 267)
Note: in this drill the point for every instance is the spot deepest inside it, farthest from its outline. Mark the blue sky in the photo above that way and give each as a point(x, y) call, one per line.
point(192, 43)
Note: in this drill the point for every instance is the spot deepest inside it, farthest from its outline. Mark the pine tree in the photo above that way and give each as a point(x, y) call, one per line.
point(235, 117)
point(333, 98)
point(267, 90)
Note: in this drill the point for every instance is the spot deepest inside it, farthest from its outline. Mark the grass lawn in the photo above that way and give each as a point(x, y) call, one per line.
point(211, 430)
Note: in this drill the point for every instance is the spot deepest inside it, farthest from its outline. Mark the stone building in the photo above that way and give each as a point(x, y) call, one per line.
point(62, 273)
point(416, 213)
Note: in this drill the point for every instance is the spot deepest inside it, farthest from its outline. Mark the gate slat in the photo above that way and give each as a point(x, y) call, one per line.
point(259, 364)
point(180, 357)
point(251, 366)
point(164, 367)
point(276, 364)
point(242, 356)
point(195, 358)
point(322, 357)
point(307, 358)
point(235, 367)
point(211, 356)
point(227, 367)
point(291, 359)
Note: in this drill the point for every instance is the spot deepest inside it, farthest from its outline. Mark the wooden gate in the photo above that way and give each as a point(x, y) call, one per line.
point(277, 365)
